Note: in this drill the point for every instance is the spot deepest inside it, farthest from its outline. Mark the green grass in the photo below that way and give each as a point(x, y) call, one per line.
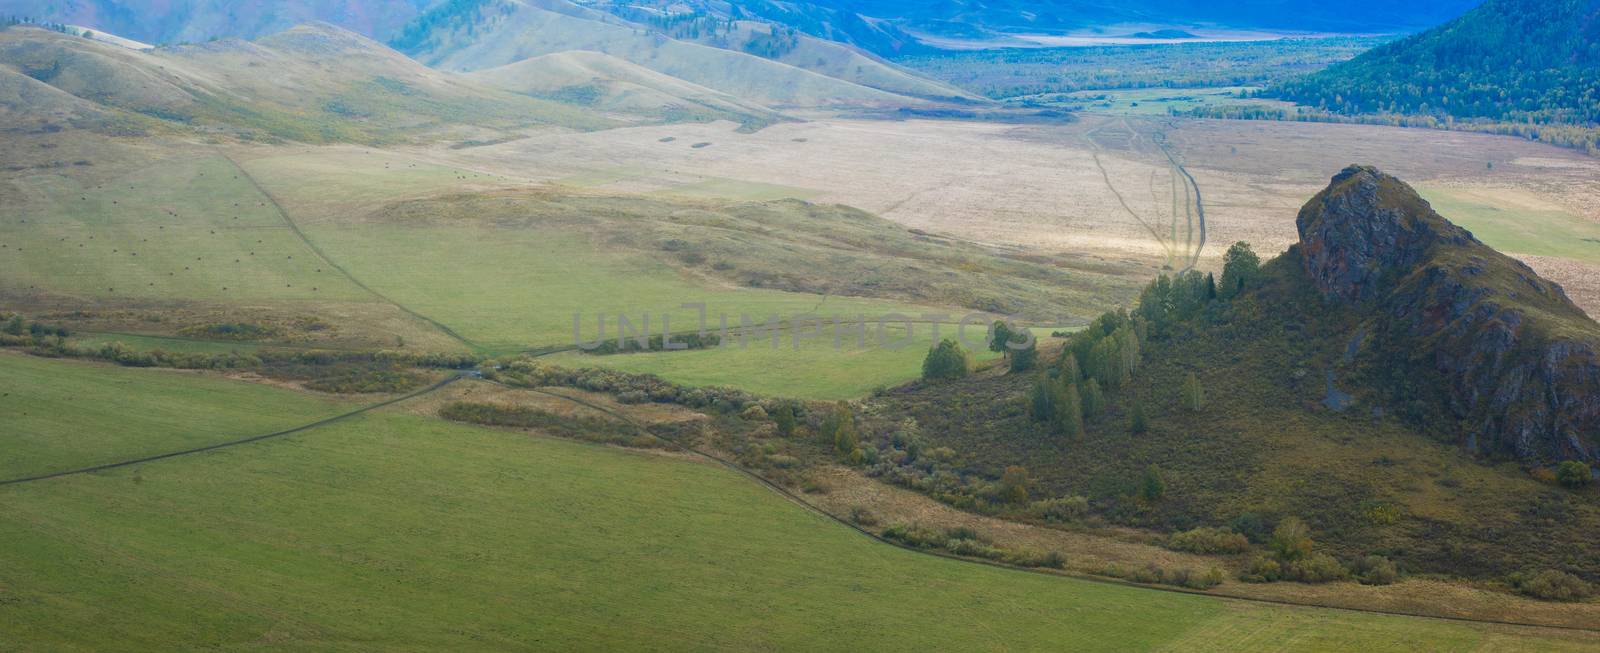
point(1508, 227)
point(815, 370)
point(119, 239)
point(400, 532)
point(63, 415)
point(513, 289)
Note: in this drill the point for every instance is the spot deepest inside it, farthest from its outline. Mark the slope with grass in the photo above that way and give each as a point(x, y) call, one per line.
point(606, 83)
point(1398, 385)
point(469, 36)
point(64, 415)
point(313, 83)
point(395, 530)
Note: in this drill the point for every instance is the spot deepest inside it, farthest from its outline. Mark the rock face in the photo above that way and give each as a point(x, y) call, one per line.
point(1515, 361)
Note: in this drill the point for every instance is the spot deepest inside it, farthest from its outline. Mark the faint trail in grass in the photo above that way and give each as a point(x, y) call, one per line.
point(295, 228)
point(233, 443)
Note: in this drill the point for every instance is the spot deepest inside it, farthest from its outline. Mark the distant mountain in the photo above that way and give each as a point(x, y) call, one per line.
point(606, 83)
point(1515, 60)
point(883, 27)
point(469, 35)
point(313, 83)
point(165, 22)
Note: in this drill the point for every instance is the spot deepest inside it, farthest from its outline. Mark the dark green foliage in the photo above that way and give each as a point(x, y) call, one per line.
point(1137, 422)
point(839, 433)
point(1315, 568)
point(1151, 486)
point(1375, 570)
point(1094, 401)
point(783, 416)
point(680, 342)
point(1554, 585)
point(1241, 267)
point(945, 361)
point(363, 380)
point(1067, 419)
point(1574, 474)
point(14, 326)
point(1251, 526)
point(1025, 359)
point(1000, 335)
point(1521, 61)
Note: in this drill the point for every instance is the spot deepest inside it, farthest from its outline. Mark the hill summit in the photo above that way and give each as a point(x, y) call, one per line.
point(1510, 356)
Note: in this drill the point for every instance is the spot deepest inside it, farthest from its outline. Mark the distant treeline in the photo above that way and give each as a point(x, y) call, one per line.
point(1509, 66)
point(1581, 137)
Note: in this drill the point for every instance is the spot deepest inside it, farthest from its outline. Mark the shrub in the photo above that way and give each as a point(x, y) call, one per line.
point(1137, 423)
point(1151, 486)
point(1316, 568)
point(1291, 540)
point(1249, 525)
point(1193, 395)
point(1553, 585)
point(1209, 540)
point(1574, 474)
point(1375, 570)
point(1063, 509)
point(784, 417)
point(1014, 485)
point(947, 360)
point(1262, 570)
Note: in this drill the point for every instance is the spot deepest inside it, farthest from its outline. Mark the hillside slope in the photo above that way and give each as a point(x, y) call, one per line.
point(1517, 60)
point(613, 85)
point(477, 34)
point(313, 83)
point(1367, 381)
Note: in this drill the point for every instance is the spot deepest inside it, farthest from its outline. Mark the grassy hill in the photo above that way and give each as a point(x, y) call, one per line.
point(1387, 419)
point(396, 530)
point(314, 83)
point(479, 34)
point(613, 85)
point(1510, 60)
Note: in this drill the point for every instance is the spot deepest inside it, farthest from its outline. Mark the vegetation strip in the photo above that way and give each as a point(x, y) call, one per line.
point(254, 438)
point(295, 228)
point(796, 499)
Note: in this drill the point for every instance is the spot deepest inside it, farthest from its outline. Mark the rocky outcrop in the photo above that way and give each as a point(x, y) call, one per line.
point(1516, 361)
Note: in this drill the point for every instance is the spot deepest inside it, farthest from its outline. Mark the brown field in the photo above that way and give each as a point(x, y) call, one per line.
point(1038, 188)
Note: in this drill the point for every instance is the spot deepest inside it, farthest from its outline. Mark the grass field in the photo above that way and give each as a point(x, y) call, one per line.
point(64, 415)
point(1518, 222)
point(181, 228)
point(514, 289)
point(394, 531)
point(815, 370)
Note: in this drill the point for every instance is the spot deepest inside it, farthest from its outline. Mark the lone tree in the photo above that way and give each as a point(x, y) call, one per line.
point(947, 360)
point(1240, 267)
point(1068, 418)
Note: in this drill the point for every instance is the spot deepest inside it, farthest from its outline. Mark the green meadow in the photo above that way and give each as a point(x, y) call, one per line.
point(396, 531)
point(510, 290)
point(815, 367)
point(187, 228)
point(1510, 226)
point(61, 415)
